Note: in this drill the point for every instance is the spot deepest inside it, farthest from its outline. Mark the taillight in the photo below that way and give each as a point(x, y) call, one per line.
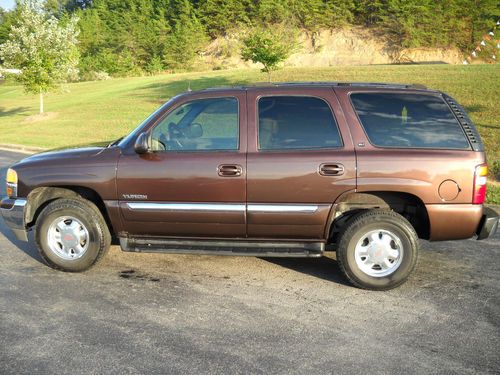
point(479, 192)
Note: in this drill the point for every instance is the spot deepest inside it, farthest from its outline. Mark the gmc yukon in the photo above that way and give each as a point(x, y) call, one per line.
point(281, 170)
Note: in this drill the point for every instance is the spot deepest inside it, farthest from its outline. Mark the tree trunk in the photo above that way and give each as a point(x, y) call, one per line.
point(41, 102)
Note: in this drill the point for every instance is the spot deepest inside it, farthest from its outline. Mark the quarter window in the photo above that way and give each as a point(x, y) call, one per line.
point(296, 122)
point(203, 124)
point(408, 121)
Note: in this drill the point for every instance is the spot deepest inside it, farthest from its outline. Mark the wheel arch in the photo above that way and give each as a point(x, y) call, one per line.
point(408, 205)
point(40, 197)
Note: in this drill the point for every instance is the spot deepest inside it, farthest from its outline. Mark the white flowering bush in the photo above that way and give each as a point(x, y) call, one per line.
point(44, 49)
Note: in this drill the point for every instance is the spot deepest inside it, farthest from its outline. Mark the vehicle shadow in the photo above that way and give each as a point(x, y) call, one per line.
point(29, 248)
point(325, 268)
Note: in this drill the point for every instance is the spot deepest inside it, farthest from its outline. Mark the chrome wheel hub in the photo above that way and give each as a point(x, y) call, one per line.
point(68, 238)
point(378, 253)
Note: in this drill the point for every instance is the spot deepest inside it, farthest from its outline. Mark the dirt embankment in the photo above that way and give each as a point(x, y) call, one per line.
point(353, 46)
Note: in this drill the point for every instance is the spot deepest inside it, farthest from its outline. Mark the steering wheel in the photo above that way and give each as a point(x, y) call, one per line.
point(175, 133)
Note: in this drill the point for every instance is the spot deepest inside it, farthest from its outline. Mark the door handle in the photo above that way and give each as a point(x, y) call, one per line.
point(226, 170)
point(327, 169)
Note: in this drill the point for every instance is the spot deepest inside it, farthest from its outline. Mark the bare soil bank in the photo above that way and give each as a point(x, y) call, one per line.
point(349, 46)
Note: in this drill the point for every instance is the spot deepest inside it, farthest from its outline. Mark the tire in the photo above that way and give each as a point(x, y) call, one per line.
point(72, 235)
point(377, 250)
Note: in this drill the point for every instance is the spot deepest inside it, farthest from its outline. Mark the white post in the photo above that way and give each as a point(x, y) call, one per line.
point(41, 101)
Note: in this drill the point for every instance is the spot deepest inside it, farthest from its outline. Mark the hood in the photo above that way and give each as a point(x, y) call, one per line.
point(64, 153)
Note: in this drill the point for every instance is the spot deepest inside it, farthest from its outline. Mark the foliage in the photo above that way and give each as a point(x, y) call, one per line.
point(136, 37)
point(267, 48)
point(415, 23)
point(493, 194)
point(187, 36)
point(7, 19)
point(44, 49)
point(220, 16)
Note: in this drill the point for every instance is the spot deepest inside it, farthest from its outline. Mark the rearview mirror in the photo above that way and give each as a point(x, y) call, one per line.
point(141, 145)
point(195, 131)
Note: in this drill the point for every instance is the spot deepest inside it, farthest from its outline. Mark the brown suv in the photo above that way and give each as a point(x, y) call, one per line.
point(289, 170)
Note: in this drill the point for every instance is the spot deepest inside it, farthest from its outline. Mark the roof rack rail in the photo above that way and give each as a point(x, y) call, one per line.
point(351, 84)
point(382, 84)
point(323, 83)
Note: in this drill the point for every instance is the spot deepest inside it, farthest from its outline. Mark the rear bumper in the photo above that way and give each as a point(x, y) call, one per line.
point(488, 224)
point(12, 211)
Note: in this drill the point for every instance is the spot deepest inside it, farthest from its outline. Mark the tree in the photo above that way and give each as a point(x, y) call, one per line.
point(7, 19)
point(219, 16)
point(187, 37)
point(44, 49)
point(267, 48)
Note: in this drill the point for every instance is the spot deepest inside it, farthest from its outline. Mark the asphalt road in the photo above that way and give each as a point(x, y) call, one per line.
point(148, 314)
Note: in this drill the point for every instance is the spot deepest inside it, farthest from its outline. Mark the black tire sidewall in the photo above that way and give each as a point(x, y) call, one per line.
point(408, 240)
point(85, 216)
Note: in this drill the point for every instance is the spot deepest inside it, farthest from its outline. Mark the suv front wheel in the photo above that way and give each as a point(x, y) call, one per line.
point(71, 234)
point(377, 249)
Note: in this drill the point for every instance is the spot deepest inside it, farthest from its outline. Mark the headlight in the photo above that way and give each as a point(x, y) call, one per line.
point(11, 181)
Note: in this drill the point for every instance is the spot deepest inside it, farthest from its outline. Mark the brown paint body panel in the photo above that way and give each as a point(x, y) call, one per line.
point(419, 172)
point(288, 177)
point(91, 168)
point(453, 221)
point(170, 177)
point(293, 176)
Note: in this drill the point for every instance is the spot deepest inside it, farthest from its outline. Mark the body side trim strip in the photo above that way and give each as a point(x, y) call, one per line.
point(186, 206)
point(304, 208)
point(235, 207)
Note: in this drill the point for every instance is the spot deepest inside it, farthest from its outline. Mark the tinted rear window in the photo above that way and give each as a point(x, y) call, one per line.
point(408, 120)
point(296, 122)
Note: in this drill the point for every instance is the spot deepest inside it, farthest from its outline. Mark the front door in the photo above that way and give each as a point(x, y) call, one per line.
point(193, 183)
point(300, 159)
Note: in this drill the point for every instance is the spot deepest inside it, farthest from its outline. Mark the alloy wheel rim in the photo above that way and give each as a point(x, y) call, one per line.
point(68, 238)
point(379, 253)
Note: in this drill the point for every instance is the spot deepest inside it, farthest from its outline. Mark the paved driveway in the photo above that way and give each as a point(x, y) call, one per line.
point(149, 313)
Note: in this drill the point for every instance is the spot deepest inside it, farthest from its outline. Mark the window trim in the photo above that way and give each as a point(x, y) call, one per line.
point(160, 120)
point(257, 122)
point(435, 95)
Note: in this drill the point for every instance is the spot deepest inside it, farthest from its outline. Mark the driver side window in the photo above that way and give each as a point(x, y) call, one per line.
point(203, 124)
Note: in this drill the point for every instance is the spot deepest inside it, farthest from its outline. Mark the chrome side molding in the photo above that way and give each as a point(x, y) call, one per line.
point(186, 206)
point(292, 208)
point(223, 207)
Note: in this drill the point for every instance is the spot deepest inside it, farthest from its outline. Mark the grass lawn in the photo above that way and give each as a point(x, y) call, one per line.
point(93, 111)
point(493, 193)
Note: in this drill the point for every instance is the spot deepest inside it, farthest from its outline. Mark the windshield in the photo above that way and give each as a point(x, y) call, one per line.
point(138, 129)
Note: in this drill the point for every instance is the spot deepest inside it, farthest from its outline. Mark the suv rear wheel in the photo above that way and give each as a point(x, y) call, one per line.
point(377, 250)
point(71, 234)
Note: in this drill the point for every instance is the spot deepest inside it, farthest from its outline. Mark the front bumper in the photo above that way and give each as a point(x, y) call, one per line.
point(488, 224)
point(13, 214)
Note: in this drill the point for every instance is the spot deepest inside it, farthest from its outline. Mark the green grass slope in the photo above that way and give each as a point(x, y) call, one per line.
point(93, 111)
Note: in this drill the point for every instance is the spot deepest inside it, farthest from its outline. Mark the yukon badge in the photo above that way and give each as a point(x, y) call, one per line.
point(135, 196)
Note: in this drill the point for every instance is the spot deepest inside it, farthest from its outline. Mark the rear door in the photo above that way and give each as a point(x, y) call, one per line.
point(300, 159)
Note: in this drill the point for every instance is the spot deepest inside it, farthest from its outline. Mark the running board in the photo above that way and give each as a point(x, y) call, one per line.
point(214, 247)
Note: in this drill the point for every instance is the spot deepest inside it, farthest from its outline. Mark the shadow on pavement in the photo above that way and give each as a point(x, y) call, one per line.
point(324, 268)
point(29, 248)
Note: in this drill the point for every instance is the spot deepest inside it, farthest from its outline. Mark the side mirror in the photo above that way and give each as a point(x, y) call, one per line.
point(141, 145)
